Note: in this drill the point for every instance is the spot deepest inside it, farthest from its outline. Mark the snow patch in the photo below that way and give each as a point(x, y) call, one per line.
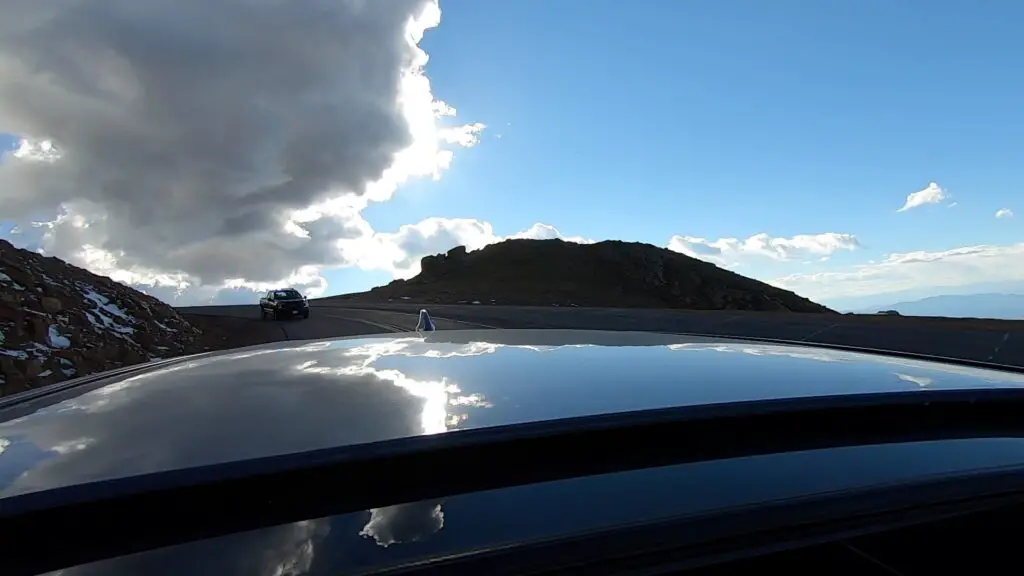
point(45, 373)
point(104, 303)
point(101, 321)
point(20, 355)
point(38, 350)
point(67, 367)
point(164, 326)
point(8, 280)
point(57, 340)
point(5, 279)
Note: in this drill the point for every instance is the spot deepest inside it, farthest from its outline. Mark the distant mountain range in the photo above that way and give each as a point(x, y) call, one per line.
point(1002, 306)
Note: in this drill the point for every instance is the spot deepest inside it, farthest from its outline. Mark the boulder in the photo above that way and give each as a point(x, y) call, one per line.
point(51, 305)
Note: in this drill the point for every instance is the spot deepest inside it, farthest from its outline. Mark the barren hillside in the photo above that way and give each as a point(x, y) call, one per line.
point(58, 321)
point(610, 273)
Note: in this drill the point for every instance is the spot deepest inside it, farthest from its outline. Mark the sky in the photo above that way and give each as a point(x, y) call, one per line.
point(853, 152)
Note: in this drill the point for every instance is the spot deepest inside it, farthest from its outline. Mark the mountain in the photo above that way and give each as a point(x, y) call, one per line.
point(610, 273)
point(878, 301)
point(58, 321)
point(999, 306)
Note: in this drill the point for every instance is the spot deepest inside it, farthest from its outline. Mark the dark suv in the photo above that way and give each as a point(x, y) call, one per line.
point(284, 303)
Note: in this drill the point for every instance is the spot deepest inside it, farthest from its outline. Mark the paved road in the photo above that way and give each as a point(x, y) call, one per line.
point(331, 322)
point(332, 319)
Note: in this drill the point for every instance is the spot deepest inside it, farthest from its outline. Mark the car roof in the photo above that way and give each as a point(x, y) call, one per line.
point(242, 403)
point(286, 398)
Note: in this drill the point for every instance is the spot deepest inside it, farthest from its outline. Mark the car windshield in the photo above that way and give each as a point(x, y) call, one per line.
point(287, 294)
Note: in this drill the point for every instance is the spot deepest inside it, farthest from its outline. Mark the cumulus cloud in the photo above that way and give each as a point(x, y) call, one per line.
point(200, 145)
point(903, 271)
point(1004, 213)
point(404, 523)
point(400, 252)
point(540, 231)
point(729, 250)
point(932, 194)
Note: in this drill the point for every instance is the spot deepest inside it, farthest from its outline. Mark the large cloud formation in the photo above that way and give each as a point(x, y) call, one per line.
point(399, 252)
point(726, 251)
point(230, 143)
point(896, 272)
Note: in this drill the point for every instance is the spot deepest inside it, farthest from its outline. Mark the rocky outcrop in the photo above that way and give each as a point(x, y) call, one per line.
point(610, 273)
point(58, 321)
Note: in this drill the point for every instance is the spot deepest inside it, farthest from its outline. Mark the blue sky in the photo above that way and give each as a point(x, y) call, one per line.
point(726, 119)
point(729, 118)
point(718, 120)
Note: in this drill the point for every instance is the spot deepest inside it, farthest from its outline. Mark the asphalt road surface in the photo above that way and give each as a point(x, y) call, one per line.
point(331, 319)
point(331, 322)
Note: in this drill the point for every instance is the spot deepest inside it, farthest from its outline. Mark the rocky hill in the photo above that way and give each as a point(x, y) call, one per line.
point(610, 273)
point(58, 321)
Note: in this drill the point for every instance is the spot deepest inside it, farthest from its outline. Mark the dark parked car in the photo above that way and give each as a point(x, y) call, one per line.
point(284, 303)
point(517, 452)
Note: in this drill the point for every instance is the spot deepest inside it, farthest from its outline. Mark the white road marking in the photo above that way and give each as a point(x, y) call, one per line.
point(999, 346)
point(386, 327)
point(818, 332)
point(476, 324)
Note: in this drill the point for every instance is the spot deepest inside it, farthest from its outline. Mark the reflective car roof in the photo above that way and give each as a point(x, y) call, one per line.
point(297, 396)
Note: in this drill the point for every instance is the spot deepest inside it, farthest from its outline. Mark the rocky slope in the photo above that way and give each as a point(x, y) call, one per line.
point(58, 321)
point(610, 273)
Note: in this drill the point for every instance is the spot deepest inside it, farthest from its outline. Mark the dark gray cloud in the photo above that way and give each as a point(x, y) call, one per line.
point(188, 131)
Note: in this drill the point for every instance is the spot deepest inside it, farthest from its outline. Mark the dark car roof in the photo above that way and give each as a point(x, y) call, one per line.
point(246, 403)
point(297, 396)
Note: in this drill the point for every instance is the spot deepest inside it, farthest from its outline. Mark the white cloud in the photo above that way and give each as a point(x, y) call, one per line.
point(540, 231)
point(1004, 213)
point(175, 147)
point(404, 522)
point(730, 250)
point(932, 194)
point(904, 271)
point(400, 252)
